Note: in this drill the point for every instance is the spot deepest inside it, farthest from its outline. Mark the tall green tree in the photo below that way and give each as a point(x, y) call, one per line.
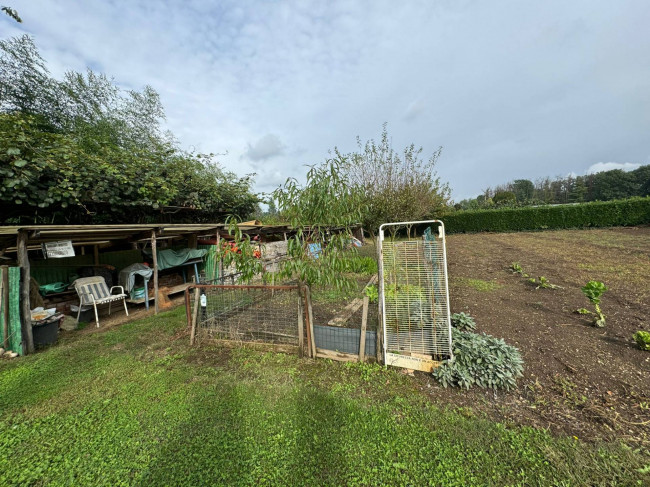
point(80, 149)
point(396, 186)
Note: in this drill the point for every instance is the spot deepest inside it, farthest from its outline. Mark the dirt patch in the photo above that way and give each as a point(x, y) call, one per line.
point(579, 380)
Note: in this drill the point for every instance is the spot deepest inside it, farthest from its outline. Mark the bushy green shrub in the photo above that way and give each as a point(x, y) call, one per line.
point(463, 322)
point(632, 211)
point(480, 360)
point(642, 339)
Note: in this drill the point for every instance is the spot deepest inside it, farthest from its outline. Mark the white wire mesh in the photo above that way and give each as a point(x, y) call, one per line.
point(249, 313)
point(415, 297)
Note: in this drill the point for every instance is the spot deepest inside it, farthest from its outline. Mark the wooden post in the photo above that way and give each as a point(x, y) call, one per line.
point(192, 241)
point(364, 324)
point(301, 326)
point(195, 314)
point(311, 320)
point(25, 307)
point(4, 300)
point(154, 254)
point(96, 254)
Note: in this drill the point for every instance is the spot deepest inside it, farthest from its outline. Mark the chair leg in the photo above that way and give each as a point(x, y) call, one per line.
point(109, 307)
point(79, 313)
point(125, 308)
point(96, 316)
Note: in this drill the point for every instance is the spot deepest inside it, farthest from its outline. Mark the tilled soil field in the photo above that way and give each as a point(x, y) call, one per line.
point(579, 380)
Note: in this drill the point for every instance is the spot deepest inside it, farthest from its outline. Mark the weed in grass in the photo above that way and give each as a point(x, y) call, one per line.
point(478, 284)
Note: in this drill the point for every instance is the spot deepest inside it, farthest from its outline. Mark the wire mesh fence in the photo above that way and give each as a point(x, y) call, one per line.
point(415, 297)
point(247, 313)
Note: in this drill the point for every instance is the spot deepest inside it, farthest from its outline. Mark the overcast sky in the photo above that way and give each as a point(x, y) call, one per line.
point(510, 89)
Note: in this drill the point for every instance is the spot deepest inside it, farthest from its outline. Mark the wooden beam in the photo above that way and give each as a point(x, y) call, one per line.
point(364, 323)
point(333, 355)
point(301, 326)
point(310, 312)
point(154, 254)
point(25, 306)
point(195, 315)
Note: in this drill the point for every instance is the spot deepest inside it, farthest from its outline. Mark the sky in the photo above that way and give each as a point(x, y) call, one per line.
point(509, 89)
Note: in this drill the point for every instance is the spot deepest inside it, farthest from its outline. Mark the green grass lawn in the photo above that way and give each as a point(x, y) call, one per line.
point(133, 406)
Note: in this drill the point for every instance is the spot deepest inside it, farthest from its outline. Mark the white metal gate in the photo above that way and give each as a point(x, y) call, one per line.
point(414, 297)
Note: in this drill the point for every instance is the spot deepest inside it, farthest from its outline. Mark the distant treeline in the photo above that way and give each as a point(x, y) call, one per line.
point(603, 186)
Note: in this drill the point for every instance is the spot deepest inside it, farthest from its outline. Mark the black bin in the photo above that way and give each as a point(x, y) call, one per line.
point(45, 334)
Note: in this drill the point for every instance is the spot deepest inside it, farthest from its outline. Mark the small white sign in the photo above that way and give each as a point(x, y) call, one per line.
point(57, 250)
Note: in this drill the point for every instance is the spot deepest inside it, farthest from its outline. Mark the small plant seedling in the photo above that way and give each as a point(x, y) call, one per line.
point(543, 283)
point(593, 290)
point(372, 292)
point(583, 311)
point(642, 339)
point(517, 269)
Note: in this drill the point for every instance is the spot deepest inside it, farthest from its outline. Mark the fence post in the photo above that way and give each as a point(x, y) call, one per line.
point(195, 314)
point(25, 306)
point(364, 323)
point(301, 325)
point(310, 312)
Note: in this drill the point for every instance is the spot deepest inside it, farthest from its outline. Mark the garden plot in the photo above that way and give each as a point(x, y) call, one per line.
point(578, 379)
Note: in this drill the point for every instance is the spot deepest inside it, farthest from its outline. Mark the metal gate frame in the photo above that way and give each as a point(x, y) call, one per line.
point(395, 359)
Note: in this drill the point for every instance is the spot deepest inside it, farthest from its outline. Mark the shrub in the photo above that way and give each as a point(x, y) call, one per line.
point(632, 211)
point(642, 339)
point(480, 360)
point(463, 322)
point(361, 265)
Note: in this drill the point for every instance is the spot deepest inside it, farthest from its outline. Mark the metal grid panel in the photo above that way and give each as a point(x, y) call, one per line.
point(249, 313)
point(415, 296)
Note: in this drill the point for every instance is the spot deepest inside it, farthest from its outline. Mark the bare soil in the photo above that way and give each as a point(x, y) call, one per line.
point(579, 380)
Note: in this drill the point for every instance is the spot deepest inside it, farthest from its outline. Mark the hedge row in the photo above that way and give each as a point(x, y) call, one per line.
point(633, 211)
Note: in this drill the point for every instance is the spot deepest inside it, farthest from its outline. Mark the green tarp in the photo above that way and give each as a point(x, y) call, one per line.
point(172, 258)
point(15, 336)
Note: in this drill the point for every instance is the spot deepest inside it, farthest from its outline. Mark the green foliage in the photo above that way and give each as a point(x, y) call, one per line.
point(134, 406)
point(361, 265)
point(478, 284)
point(241, 253)
point(642, 339)
point(593, 290)
point(80, 149)
point(480, 360)
point(326, 201)
point(633, 211)
point(583, 311)
point(463, 322)
point(517, 269)
point(395, 187)
point(504, 198)
point(372, 292)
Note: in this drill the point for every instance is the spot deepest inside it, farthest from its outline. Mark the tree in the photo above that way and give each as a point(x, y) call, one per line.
point(325, 202)
point(523, 189)
point(504, 198)
point(82, 150)
point(395, 187)
point(12, 13)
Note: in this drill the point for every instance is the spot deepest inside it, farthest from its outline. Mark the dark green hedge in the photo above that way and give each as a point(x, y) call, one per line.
point(633, 211)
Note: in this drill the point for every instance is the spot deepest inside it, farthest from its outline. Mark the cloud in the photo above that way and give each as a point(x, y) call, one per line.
point(608, 166)
point(510, 90)
point(265, 148)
